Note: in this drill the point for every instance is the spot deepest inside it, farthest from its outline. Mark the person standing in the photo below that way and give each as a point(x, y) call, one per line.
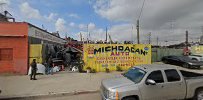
point(33, 70)
point(50, 62)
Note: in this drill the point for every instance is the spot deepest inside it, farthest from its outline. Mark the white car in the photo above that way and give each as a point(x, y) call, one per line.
point(196, 57)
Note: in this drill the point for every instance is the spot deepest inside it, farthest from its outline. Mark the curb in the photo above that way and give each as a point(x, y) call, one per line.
point(49, 95)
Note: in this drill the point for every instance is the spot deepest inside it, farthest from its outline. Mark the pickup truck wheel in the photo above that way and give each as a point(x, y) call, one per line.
point(129, 98)
point(199, 95)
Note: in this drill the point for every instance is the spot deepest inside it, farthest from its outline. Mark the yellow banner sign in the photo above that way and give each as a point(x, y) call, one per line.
point(197, 50)
point(101, 56)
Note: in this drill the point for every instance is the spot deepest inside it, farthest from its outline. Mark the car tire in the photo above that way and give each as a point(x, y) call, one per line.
point(185, 65)
point(198, 95)
point(129, 98)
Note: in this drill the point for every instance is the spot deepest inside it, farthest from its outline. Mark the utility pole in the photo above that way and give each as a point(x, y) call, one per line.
point(202, 29)
point(132, 35)
point(157, 41)
point(149, 38)
point(81, 37)
point(106, 34)
point(138, 32)
point(186, 41)
point(87, 34)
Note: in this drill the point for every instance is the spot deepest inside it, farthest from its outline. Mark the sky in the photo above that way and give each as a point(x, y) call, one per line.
point(166, 20)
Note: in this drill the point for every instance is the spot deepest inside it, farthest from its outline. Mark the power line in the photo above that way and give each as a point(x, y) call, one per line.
point(141, 10)
point(138, 26)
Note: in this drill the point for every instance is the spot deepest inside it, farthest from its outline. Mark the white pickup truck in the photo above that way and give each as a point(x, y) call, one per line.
point(153, 82)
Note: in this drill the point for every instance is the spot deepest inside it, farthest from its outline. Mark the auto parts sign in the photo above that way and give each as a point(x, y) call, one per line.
point(101, 56)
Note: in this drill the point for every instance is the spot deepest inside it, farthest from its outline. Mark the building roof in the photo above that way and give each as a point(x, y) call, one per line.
point(44, 30)
point(39, 33)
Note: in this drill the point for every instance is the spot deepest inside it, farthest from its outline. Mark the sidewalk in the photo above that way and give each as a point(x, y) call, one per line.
point(59, 83)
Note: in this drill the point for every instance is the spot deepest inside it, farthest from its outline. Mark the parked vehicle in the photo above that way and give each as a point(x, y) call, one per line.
point(183, 61)
point(196, 57)
point(76, 65)
point(58, 62)
point(153, 82)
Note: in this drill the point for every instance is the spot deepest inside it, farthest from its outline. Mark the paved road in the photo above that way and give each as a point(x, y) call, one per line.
point(89, 96)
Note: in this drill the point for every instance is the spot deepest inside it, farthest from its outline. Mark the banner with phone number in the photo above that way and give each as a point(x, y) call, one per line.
point(101, 56)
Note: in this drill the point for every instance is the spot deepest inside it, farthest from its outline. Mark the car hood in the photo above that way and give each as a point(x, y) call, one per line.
point(116, 82)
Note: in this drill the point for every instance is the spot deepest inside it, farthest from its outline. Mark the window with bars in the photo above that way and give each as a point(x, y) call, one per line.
point(6, 54)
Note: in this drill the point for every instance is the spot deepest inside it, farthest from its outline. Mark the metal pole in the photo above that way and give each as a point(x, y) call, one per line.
point(87, 34)
point(106, 34)
point(186, 42)
point(138, 33)
point(157, 41)
point(149, 38)
point(132, 35)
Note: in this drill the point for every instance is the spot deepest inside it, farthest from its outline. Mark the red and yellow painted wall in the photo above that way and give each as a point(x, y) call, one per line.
point(197, 50)
point(13, 47)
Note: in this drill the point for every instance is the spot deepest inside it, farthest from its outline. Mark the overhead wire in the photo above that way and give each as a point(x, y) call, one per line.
point(141, 9)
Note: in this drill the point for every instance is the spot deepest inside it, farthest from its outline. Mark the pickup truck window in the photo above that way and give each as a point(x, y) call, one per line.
point(156, 76)
point(172, 75)
point(135, 74)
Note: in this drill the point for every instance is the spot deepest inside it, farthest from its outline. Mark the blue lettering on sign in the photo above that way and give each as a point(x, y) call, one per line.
point(146, 48)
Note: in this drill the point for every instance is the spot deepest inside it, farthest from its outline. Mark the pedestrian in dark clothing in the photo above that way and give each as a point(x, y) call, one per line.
point(50, 62)
point(34, 70)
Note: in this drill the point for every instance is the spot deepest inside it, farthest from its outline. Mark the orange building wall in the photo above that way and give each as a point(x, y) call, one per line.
point(15, 35)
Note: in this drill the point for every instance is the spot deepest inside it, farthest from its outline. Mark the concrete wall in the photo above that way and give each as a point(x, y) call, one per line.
point(14, 36)
point(158, 53)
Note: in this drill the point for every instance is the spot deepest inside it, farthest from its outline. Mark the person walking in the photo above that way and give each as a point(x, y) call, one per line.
point(33, 70)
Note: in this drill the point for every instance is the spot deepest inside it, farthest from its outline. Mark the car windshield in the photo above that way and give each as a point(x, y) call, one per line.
point(135, 74)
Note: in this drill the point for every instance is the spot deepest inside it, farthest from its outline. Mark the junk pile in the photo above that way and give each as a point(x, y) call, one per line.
point(56, 58)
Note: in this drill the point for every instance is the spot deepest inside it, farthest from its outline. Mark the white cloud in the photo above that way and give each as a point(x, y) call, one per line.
point(91, 26)
point(60, 26)
point(5, 1)
point(29, 12)
point(82, 27)
point(74, 15)
point(4, 5)
point(96, 35)
point(120, 32)
point(166, 19)
point(72, 24)
point(51, 17)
